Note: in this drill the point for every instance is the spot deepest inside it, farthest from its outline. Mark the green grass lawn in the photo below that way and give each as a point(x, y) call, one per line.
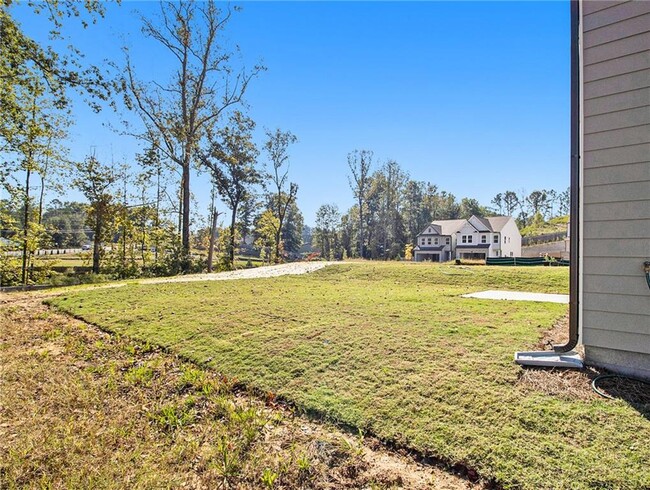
point(67, 260)
point(391, 348)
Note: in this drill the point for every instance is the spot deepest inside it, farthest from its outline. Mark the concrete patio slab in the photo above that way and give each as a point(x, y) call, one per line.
point(520, 296)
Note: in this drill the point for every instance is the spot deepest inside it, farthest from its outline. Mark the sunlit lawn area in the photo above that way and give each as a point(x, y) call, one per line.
point(65, 260)
point(391, 348)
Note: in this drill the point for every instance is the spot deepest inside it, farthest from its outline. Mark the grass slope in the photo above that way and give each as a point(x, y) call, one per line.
point(81, 409)
point(393, 349)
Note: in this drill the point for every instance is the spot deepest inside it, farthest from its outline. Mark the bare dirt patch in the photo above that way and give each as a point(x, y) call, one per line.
point(84, 409)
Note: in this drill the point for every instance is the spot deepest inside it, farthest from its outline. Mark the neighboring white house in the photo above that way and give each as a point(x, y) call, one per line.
point(473, 238)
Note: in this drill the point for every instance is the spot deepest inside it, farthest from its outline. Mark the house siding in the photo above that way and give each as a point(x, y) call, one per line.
point(615, 302)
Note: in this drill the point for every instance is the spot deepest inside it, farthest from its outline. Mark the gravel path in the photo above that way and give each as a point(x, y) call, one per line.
point(293, 268)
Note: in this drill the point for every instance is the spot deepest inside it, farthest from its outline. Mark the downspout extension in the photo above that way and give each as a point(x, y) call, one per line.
point(574, 251)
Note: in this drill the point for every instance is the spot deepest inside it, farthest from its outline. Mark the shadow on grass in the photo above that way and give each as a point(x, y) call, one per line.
point(588, 383)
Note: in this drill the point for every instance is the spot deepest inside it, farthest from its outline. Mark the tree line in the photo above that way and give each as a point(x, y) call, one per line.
point(191, 124)
point(391, 209)
point(141, 217)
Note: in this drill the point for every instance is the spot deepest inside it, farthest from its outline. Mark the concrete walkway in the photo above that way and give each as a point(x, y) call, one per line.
point(520, 296)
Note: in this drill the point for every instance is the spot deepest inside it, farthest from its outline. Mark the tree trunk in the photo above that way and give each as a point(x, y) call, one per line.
point(278, 235)
point(186, 216)
point(361, 244)
point(26, 228)
point(213, 232)
point(232, 235)
point(143, 231)
point(180, 210)
point(157, 221)
point(97, 241)
point(278, 232)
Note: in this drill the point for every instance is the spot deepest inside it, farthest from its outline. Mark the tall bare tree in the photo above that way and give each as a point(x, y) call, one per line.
point(182, 112)
point(276, 147)
point(360, 163)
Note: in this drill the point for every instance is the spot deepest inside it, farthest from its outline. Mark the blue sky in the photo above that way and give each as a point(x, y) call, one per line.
point(471, 96)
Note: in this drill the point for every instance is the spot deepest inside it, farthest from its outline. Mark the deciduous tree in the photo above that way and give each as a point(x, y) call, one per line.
point(360, 164)
point(95, 181)
point(179, 114)
point(284, 192)
point(232, 162)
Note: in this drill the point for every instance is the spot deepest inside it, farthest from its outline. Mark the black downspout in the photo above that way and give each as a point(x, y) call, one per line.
point(574, 281)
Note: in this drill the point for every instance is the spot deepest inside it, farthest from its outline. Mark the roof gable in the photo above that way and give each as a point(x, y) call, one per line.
point(449, 226)
point(498, 222)
point(481, 224)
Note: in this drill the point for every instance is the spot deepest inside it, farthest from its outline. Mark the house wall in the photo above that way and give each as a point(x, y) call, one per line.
point(511, 247)
point(615, 301)
point(468, 230)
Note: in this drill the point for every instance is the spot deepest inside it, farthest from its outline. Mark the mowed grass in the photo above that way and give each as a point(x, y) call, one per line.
point(392, 349)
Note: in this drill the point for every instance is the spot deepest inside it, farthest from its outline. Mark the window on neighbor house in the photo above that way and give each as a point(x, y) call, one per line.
point(496, 239)
point(464, 239)
point(483, 238)
point(428, 241)
point(470, 238)
point(447, 241)
point(435, 241)
point(504, 239)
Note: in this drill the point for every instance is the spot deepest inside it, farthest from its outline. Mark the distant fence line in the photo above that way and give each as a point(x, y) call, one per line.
point(523, 261)
point(49, 251)
point(537, 239)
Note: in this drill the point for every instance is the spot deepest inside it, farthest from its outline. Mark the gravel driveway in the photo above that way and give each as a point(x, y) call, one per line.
point(293, 268)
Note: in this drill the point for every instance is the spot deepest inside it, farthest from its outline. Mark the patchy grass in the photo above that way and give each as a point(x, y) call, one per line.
point(83, 409)
point(392, 349)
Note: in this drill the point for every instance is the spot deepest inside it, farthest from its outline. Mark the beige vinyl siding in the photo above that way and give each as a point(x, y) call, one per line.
point(627, 118)
point(616, 85)
point(630, 229)
point(620, 30)
point(626, 322)
point(590, 8)
point(619, 156)
point(615, 49)
point(634, 99)
point(616, 176)
point(607, 17)
point(624, 341)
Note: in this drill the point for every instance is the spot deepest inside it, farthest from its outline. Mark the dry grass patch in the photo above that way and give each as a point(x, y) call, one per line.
point(80, 408)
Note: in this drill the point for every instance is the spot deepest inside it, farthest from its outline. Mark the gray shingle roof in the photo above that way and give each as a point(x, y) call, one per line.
point(498, 222)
